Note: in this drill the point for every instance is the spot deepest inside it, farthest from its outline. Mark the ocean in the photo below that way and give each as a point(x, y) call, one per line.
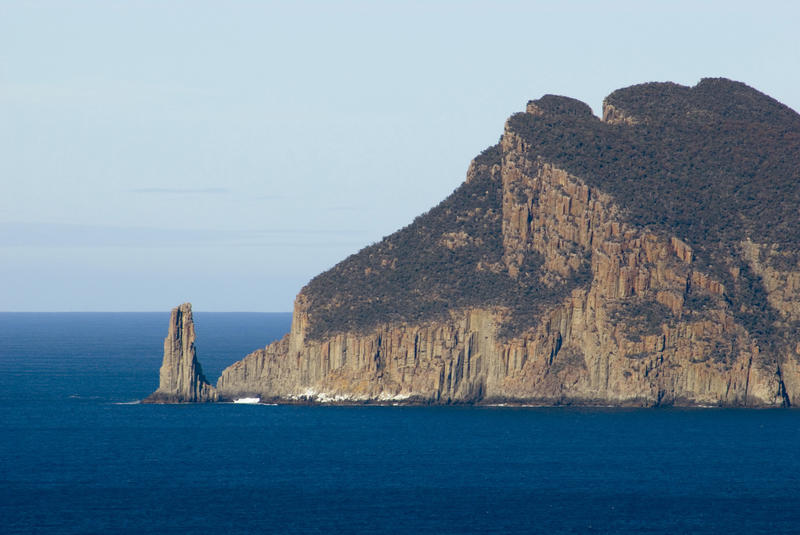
point(77, 455)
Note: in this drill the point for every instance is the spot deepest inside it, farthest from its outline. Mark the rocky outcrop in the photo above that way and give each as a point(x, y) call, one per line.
point(181, 378)
point(628, 340)
point(644, 288)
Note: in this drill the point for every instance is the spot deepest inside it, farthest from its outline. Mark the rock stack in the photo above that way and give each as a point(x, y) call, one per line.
point(181, 378)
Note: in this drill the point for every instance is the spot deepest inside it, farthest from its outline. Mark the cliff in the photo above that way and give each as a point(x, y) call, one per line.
point(651, 257)
point(181, 378)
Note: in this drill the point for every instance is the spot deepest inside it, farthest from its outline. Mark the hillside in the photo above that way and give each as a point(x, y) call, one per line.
point(714, 164)
point(651, 257)
point(449, 258)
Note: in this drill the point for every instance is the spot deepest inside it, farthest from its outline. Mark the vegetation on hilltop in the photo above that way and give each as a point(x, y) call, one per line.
point(446, 259)
point(714, 165)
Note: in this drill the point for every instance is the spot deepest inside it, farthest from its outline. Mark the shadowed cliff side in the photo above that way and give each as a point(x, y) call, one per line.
point(181, 378)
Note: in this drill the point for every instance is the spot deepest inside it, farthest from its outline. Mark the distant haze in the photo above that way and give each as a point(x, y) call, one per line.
point(153, 153)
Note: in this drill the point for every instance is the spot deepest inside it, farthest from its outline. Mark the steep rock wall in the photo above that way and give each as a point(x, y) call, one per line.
point(181, 378)
point(647, 326)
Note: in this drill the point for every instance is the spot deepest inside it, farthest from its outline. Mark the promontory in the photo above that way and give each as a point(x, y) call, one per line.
point(649, 257)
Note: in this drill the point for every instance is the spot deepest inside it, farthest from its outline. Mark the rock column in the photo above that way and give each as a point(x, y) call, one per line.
point(181, 378)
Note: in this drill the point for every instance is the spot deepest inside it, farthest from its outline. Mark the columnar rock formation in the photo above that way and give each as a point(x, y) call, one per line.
point(181, 378)
point(600, 345)
point(647, 258)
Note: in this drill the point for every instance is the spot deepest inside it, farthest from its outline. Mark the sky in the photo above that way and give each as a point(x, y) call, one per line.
point(224, 153)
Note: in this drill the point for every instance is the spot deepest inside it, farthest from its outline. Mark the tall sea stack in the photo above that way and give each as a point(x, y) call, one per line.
point(181, 378)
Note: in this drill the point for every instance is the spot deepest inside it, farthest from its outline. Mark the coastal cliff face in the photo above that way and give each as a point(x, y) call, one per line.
point(651, 257)
point(627, 339)
point(181, 378)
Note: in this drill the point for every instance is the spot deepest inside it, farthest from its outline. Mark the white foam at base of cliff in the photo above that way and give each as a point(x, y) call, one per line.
point(247, 401)
point(385, 396)
point(310, 394)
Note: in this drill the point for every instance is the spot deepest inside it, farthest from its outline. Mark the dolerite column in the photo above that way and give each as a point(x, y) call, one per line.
point(181, 378)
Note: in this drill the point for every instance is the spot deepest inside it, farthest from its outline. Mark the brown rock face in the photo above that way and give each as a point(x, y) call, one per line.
point(181, 378)
point(648, 289)
point(627, 339)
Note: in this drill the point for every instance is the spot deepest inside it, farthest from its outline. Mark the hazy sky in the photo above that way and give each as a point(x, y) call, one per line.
point(226, 152)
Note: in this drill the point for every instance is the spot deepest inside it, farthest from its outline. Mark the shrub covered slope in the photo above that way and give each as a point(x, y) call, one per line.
point(714, 164)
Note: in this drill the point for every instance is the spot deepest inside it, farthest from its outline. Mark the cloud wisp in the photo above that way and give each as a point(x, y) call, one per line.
point(182, 191)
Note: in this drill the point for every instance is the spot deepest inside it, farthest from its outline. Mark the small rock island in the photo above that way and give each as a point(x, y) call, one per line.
point(649, 257)
point(181, 378)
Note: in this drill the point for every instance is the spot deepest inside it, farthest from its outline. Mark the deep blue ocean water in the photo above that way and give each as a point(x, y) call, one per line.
point(74, 458)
